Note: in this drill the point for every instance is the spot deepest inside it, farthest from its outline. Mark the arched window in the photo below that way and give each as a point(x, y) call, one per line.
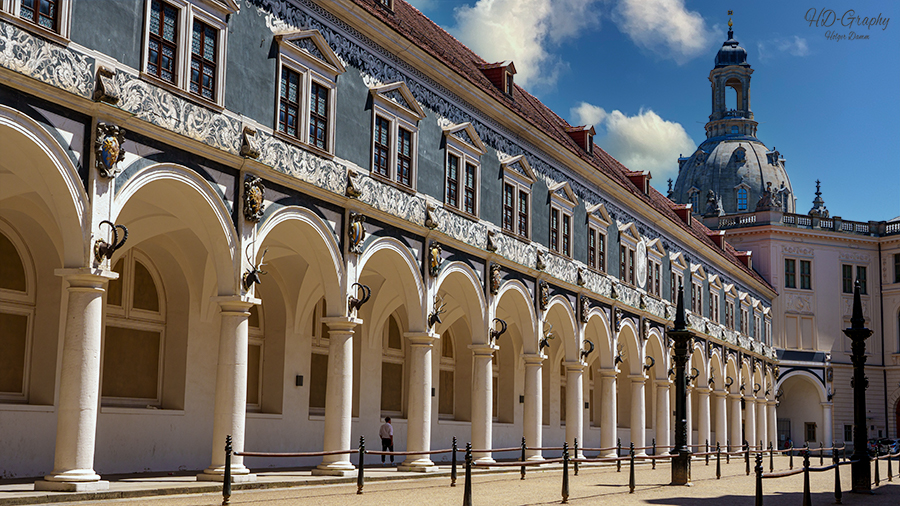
point(16, 315)
point(318, 359)
point(742, 199)
point(392, 362)
point(132, 363)
point(446, 380)
point(695, 201)
point(255, 358)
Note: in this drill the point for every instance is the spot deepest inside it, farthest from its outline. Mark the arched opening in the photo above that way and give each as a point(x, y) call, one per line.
point(800, 416)
point(318, 358)
point(742, 199)
point(734, 99)
point(16, 318)
point(393, 370)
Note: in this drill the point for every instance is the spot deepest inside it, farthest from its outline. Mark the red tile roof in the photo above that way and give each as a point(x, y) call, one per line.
point(416, 27)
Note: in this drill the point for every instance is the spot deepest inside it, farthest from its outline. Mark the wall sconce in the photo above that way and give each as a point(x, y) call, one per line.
point(521, 399)
point(298, 381)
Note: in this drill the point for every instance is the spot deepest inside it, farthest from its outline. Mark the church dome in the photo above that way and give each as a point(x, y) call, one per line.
point(738, 171)
point(731, 53)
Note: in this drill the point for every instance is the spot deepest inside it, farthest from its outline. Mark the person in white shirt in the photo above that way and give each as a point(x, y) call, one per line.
point(386, 432)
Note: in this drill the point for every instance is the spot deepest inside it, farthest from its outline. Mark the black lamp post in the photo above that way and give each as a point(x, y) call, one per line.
point(681, 336)
point(858, 333)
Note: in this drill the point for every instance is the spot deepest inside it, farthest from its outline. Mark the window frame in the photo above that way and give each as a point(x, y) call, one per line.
point(850, 283)
point(598, 221)
point(207, 12)
point(677, 266)
point(469, 154)
point(806, 279)
point(518, 175)
point(743, 187)
point(715, 308)
point(387, 106)
point(790, 273)
point(10, 9)
point(20, 303)
point(655, 254)
point(563, 202)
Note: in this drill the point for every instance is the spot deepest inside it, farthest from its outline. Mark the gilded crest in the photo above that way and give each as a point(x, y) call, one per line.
point(434, 259)
point(544, 294)
point(585, 309)
point(254, 198)
point(108, 149)
point(356, 232)
point(495, 278)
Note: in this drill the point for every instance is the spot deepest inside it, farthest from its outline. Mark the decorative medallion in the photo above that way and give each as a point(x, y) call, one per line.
point(620, 316)
point(430, 221)
point(352, 188)
point(109, 150)
point(495, 278)
point(254, 198)
point(250, 143)
point(640, 268)
point(585, 309)
point(543, 295)
point(356, 232)
point(107, 89)
point(434, 258)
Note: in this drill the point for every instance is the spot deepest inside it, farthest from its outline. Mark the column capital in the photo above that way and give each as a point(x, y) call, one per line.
point(663, 383)
point(341, 323)
point(483, 349)
point(534, 358)
point(828, 405)
point(236, 303)
point(426, 338)
point(577, 366)
point(637, 378)
point(87, 277)
point(609, 373)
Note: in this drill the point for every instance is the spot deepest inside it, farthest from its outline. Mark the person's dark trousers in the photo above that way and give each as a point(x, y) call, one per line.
point(387, 445)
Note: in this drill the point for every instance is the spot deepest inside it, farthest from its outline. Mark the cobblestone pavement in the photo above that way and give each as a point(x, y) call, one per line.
point(594, 485)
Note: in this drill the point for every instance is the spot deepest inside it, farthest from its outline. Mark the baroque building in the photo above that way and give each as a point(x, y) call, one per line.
point(741, 190)
point(284, 220)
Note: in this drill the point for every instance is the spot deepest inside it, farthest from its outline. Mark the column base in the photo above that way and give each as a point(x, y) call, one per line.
point(238, 474)
point(334, 469)
point(534, 458)
point(71, 486)
point(482, 460)
point(418, 466)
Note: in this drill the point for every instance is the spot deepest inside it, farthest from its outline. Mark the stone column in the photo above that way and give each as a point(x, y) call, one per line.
point(773, 423)
point(761, 422)
point(418, 435)
point(230, 412)
point(482, 399)
point(703, 432)
point(689, 416)
point(338, 396)
point(575, 404)
point(721, 418)
point(663, 416)
point(750, 420)
point(828, 437)
point(735, 434)
point(533, 423)
point(79, 385)
point(608, 422)
point(638, 413)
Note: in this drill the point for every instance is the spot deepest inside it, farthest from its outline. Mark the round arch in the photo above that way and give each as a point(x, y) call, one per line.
point(628, 336)
point(460, 281)
point(560, 311)
point(514, 301)
point(393, 260)
point(597, 330)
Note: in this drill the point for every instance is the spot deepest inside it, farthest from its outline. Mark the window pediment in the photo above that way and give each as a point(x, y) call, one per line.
point(598, 213)
point(715, 281)
point(655, 249)
point(698, 271)
point(306, 44)
point(397, 96)
point(563, 194)
point(518, 167)
point(629, 233)
point(466, 134)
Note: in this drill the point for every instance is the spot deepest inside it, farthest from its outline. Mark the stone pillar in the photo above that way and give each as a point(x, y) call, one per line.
point(689, 415)
point(230, 412)
point(418, 434)
point(761, 420)
point(721, 418)
point(575, 404)
point(338, 396)
point(79, 385)
point(533, 423)
point(608, 422)
point(735, 435)
point(703, 432)
point(828, 436)
point(482, 399)
point(638, 413)
point(663, 416)
point(773, 423)
point(750, 420)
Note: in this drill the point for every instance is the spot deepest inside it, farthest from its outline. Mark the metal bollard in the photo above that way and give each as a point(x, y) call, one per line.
point(791, 453)
point(565, 477)
point(631, 469)
point(522, 470)
point(360, 478)
point(653, 460)
point(807, 501)
point(747, 456)
point(890, 477)
point(837, 477)
point(877, 477)
point(718, 461)
point(759, 471)
point(771, 458)
point(821, 453)
point(728, 451)
point(226, 483)
point(575, 464)
point(467, 491)
point(618, 454)
point(707, 451)
point(453, 464)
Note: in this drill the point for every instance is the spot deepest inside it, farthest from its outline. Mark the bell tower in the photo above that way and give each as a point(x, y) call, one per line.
point(731, 75)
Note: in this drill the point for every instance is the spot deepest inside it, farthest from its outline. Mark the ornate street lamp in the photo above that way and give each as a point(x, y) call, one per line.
point(681, 337)
point(858, 333)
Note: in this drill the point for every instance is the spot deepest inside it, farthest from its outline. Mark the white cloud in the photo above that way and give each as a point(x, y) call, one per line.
point(522, 31)
point(794, 46)
point(641, 142)
point(665, 27)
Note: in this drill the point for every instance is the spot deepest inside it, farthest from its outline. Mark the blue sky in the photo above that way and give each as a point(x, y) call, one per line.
point(638, 69)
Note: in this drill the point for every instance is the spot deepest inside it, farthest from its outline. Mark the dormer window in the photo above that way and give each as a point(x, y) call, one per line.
point(641, 180)
point(462, 175)
point(387, 4)
point(562, 202)
point(500, 74)
point(583, 136)
point(517, 181)
point(509, 84)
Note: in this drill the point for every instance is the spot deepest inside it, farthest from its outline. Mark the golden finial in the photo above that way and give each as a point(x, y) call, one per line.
point(730, 13)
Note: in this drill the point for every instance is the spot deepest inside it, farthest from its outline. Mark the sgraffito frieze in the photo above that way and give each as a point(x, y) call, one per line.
point(45, 61)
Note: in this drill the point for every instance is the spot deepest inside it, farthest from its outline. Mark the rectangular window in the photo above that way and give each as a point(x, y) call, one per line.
point(523, 213)
point(729, 315)
point(470, 195)
point(790, 273)
point(622, 262)
point(203, 60)
point(509, 202)
point(714, 307)
point(404, 157)
point(289, 105)
point(601, 252)
point(163, 45)
point(861, 277)
point(554, 229)
point(41, 12)
point(318, 116)
point(453, 180)
point(318, 381)
point(381, 163)
point(810, 432)
point(745, 324)
point(446, 401)
point(676, 280)
point(848, 433)
point(630, 266)
point(805, 275)
point(566, 235)
point(592, 247)
point(847, 278)
point(897, 268)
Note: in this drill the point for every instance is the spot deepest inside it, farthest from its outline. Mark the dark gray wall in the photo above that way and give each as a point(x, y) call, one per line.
point(250, 73)
point(111, 27)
